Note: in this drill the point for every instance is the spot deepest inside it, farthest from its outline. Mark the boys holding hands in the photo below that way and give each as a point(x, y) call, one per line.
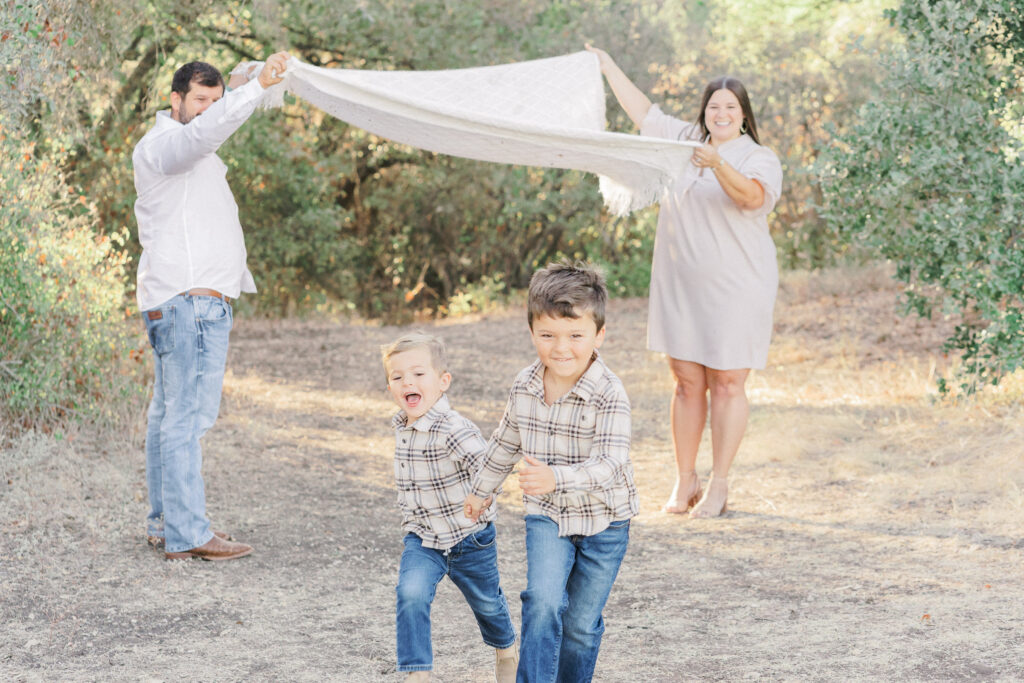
point(568, 418)
point(436, 452)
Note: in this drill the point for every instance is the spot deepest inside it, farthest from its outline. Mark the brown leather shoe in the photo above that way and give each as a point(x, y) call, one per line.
point(216, 549)
point(158, 541)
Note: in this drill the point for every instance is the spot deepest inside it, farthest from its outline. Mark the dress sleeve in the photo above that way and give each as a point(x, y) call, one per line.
point(764, 167)
point(658, 124)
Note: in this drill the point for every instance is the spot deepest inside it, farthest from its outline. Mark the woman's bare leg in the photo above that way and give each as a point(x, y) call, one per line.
point(729, 412)
point(688, 413)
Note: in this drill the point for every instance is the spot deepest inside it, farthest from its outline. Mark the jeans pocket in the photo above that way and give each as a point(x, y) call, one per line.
point(486, 537)
point(211, 309)
point(620, 524)
point(161, 331)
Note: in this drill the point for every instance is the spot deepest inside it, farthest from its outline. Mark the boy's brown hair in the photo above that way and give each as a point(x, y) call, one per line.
point(567, 290)
point(415, 340)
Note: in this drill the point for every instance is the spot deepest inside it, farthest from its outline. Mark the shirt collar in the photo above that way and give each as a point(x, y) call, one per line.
point(427, 420)
point(584, 388)
point(164, 120)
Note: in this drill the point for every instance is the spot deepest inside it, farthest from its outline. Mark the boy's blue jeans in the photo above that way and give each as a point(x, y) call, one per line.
point(190, 348)
point(568, 579)
point(472, 565)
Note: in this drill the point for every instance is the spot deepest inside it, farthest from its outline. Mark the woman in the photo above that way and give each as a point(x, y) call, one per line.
point(714, 276)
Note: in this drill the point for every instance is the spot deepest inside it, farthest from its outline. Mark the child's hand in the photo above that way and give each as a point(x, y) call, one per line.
point(474, 506)
point(536, 478)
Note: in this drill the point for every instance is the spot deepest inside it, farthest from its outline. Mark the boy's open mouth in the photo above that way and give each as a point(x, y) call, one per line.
point(412, 400)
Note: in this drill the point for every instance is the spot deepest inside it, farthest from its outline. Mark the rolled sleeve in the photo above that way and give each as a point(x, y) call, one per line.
point(764, 167)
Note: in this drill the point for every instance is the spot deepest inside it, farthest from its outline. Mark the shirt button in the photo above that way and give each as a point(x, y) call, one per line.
point(404, 441)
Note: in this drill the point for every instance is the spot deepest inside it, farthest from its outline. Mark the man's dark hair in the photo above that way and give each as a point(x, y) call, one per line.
point(567, 290)
point(195, 72)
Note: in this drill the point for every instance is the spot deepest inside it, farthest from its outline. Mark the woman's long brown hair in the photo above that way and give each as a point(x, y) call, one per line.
point(734, 86)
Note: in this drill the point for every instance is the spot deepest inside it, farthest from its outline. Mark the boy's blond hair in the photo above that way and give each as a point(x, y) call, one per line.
point(566, 290)
point(415, 340)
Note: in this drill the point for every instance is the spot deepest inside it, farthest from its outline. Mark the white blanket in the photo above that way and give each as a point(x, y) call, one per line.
point(545, 112)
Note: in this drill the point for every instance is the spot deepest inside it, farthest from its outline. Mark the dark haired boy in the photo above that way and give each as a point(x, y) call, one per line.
point(568, 418)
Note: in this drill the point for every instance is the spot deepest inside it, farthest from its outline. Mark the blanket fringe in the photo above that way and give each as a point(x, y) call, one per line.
point(274, 95)
point(620, 200)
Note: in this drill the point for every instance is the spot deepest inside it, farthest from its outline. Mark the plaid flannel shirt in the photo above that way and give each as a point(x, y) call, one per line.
point(435, 458)
point(584, 437)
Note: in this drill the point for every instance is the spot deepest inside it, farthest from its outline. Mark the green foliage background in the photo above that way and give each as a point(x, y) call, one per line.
point(931, 175)
point(64, 347)
point(336, 217)
point(339, 220)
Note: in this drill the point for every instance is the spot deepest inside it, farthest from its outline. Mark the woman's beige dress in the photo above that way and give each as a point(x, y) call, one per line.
point(715, 274)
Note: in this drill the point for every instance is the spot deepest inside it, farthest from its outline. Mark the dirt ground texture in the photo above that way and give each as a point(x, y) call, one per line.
point(872, 534)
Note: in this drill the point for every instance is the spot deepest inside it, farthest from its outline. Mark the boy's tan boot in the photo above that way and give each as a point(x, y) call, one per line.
point(418, 677)
point(506, 662)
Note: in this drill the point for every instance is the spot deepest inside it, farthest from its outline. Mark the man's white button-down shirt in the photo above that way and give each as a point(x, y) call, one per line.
point(188, 218)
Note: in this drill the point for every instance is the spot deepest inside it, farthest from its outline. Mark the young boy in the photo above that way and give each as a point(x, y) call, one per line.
point(568, 417)
point(436, 452)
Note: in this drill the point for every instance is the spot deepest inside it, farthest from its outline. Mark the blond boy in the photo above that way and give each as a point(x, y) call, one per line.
point(436, 452)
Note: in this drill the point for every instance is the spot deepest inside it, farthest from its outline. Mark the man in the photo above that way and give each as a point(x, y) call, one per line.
point(192, 265)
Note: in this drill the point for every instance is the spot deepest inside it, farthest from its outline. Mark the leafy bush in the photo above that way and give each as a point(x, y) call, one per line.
point(64, 343)
point(65, 348)
point(931, 177)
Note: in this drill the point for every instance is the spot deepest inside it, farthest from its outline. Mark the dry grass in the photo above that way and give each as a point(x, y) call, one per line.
point(873, 533)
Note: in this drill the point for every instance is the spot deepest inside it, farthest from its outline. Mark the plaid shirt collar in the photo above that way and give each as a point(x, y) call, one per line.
point(584, 387)
point(436, 412)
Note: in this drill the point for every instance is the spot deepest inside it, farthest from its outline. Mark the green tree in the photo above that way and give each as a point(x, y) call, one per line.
point(931, 177)
point(64, 347)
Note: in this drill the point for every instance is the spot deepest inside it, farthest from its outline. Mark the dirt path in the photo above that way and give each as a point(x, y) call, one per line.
point(871, 535)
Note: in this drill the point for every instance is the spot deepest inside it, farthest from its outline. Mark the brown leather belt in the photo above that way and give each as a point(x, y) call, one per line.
point(202, 291)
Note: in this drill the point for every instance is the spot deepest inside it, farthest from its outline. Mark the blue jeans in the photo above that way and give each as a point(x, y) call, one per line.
point(472, 565)
point(568, 579)
point(190, 347)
